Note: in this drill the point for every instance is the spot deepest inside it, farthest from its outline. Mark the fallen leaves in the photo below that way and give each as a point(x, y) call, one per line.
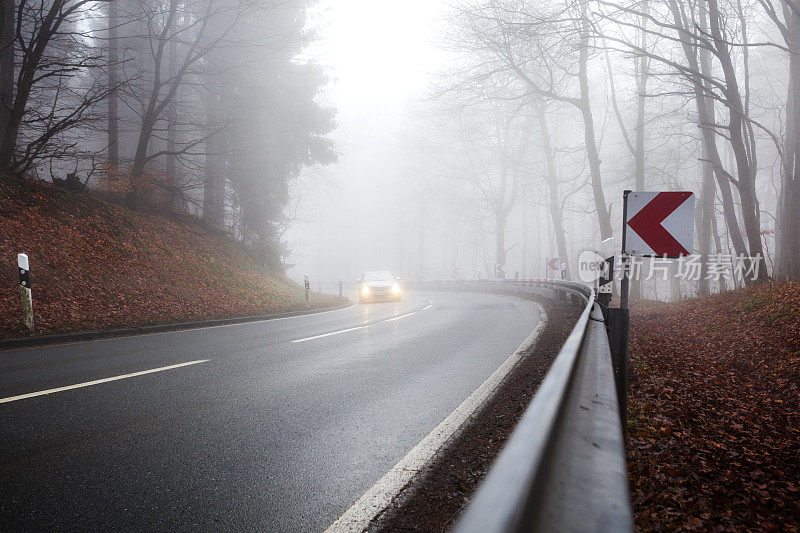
point(714, 417)
point(96, 265)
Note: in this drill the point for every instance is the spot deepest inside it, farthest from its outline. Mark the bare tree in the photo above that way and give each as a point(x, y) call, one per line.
point(552, 186)
point(214, 182)
point(549, 52)
point(197, 39)
point(786, 17)
point(49, 48)
point(696, 27)
point(6, 64)
point(637, 146)
point(113, 84)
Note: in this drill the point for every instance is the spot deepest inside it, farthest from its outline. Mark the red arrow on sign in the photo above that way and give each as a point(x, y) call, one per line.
point(647, 223)
point(553, 263)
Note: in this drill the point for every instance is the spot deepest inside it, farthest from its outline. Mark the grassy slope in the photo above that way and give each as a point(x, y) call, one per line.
point(96, 265)
point(714, 418)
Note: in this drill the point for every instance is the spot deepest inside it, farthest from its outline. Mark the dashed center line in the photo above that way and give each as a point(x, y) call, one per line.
point(329, 334)
point(97, 381)
point(362, 327)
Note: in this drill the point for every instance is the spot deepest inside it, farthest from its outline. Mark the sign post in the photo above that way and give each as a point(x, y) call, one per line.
point(307, 285)
point(25, 291)
point(625, 283)
point(654, 224)
point(604, 283)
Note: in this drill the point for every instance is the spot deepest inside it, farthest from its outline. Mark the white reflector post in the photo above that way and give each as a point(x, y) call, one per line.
point(23, 267)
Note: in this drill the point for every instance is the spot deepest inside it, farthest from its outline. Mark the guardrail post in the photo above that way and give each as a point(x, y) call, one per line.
point(617, 328)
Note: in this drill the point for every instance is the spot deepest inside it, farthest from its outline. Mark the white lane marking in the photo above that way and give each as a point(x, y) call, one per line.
point(329, 334)
point(109, 339)
point(97, 381)
point(398, 317)
point(377, 499)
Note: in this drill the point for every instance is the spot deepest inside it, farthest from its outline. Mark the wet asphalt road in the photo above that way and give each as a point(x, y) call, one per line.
point(265, 434)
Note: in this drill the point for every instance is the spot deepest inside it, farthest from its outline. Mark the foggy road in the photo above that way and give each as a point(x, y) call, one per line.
point(273, 426)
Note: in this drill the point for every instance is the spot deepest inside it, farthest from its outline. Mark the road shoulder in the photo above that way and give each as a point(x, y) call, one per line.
point(437, 495)
point(410, 488)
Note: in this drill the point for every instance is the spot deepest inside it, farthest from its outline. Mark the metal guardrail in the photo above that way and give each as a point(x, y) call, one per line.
point(563, 468)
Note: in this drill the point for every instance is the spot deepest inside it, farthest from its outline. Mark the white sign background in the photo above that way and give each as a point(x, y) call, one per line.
point(679, 223)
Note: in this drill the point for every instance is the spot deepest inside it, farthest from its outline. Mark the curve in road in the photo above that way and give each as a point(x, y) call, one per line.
point(265, 434)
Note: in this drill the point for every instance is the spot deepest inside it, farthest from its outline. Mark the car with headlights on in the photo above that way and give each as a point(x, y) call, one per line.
point(379, 285)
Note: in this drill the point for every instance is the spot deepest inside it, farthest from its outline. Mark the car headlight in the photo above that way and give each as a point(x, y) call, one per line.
point(364, 289)
point(395, 288)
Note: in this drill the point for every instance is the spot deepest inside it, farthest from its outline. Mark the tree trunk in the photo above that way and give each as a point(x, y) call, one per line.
point(151, 113)
point(603, 215)
point(500, 241)
point(787, 228)
point(6, 63)
point(707, 217)
point(211, 172)
point(704, 223)
point(133, 197)
point(170, 166)
point(113, 82)
point(706, 120)
point(524, 262)
point(639, 154)
point(737, 130)
point(552, 186)
point(641, 91)
point(47, 27)
point(675, 282)
point(715, 233)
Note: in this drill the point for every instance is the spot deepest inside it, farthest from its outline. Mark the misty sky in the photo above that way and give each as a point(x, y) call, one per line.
point(380, 57)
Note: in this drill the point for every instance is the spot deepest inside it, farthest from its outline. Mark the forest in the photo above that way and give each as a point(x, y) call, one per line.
point(202, 108)
point(548, 111)
point(520, 148)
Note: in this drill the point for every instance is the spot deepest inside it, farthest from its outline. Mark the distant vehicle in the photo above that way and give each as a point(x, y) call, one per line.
point(379, 285)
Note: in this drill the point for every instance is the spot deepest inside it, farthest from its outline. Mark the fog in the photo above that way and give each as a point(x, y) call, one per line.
point(417, 108)
point(363, 213)
point(389, 202)
point(434, 139)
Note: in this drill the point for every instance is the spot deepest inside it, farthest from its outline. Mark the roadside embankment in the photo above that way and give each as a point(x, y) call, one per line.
point(714, 416)
point(96, 266)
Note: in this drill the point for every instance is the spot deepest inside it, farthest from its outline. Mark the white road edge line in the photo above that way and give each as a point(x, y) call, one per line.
point(378, 498)
point(97, 381)
point(361, 327)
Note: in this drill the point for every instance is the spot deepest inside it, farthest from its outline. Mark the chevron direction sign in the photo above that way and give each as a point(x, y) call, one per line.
point(659, 223)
